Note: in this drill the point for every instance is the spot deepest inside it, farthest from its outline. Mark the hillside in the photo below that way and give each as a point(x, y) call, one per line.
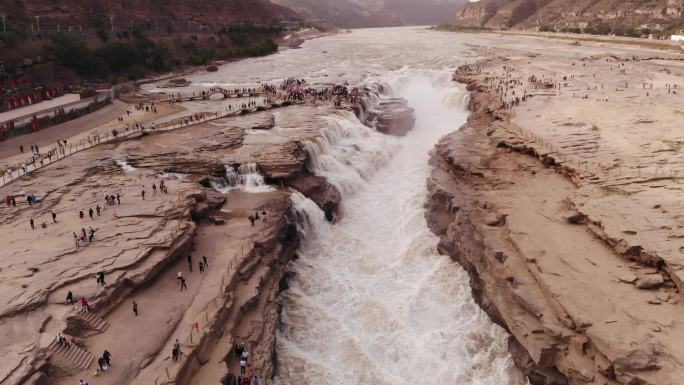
point(153, 14)
point(116, 40)
point(605, 15)
point(374, 13)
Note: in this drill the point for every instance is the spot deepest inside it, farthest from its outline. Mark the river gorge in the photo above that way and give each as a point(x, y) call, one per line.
point(472, 213)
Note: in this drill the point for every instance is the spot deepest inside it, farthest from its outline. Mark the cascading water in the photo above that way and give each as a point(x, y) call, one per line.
point(372, 302)
point(125, 166)
point(347, 152)
point(246, 177)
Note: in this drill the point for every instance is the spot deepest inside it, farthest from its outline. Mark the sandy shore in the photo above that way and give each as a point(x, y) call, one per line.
point(564, 207)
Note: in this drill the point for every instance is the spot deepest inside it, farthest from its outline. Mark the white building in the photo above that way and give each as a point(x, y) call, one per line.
point(677, 38)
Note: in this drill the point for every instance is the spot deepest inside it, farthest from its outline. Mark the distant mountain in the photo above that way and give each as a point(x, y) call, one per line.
point(559, 14)
point(375, 13)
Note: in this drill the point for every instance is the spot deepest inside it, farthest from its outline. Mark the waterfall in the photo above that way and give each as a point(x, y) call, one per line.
point(347, 152)
point(311, 219)
point(245, 177)
point(371, 301)
point(125, 166)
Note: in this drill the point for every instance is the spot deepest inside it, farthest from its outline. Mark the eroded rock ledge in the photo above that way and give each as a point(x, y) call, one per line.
point(581, 308)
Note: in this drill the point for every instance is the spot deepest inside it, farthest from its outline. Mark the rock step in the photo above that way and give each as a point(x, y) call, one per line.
point(94, 321)
point(75, 355)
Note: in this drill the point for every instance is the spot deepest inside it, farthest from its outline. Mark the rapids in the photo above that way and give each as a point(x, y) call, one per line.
point(372, 302)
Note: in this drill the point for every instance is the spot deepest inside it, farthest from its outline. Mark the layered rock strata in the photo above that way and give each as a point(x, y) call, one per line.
point(140, 245)
point(581, 307)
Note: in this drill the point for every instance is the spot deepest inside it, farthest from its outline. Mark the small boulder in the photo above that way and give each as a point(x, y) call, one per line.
point(628, 278)
point(637, 360)
point(212, 69)
point(650, 281)
point(218, 220)
point(576, 218)
point(496, 220)
point(663, 296)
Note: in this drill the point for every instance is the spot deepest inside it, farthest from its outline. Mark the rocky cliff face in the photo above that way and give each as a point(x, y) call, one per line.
point(581, 308)
point(566, 13)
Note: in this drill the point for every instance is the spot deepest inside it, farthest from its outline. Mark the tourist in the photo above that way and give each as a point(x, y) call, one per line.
point(32, 225)
point(176, 350)
point(90, 212)
point(76, 240)
point(54, 217)
point(100, 363)
point(238, 351)
point(107, 357)
point(100, 278)
point(251, 219)
point(97, 208)
point(135, 308)
point(91, 234)
point(154, 189)
point(80, 214)
point(245, 355)
point(29, 200)
point(174, 354)
point(118, 198)
point(182, 284)
point(143, 194)
point(243, 366)
point(70, 298)
point(255, 380)
point(179, 276)
point(206, 264)
point(85, 306)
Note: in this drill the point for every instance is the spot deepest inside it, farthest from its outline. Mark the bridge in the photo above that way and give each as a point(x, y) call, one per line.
point(207, 94)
